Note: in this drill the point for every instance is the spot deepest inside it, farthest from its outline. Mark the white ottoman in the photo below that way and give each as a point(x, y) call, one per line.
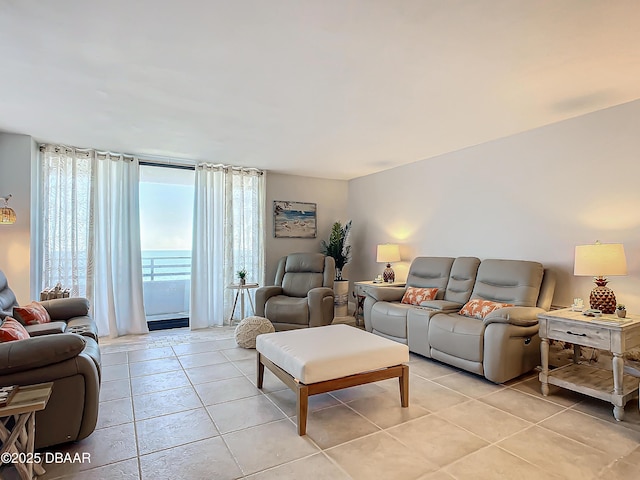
point(249, 328)
point(321, 359)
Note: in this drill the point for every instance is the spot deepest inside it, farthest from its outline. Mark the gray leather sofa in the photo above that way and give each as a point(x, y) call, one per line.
point(502, 346)
point(70, 360)
point(303, 292)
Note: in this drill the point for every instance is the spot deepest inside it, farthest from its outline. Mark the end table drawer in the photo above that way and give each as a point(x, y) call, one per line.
point(586, 335)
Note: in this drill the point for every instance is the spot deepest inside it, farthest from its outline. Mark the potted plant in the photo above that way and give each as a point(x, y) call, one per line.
point(242, 275)
point(339, 248)
point(621, 310)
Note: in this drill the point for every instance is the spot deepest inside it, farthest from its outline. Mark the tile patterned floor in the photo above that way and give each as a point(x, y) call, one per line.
point(183, 405)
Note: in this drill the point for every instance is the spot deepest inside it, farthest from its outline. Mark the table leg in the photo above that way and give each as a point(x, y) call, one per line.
point(253, 309)
point(241, 303)
point(233, 310)
point(618, 372)
point(260, 371)
point(544, 357)
point(404, 386)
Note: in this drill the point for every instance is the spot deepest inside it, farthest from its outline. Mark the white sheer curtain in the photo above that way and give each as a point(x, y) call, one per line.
point(117, 281)
point(66, 203)
point(91, 233)
point(228, 235)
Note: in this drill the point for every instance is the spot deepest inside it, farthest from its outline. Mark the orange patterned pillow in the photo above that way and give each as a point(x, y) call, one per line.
point(479, 308)
point(415, 296)
point(32, 314)
point(11, 330)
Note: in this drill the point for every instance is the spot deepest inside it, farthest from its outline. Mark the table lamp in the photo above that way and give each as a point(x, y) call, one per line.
point(7, 214)
point(597, 261)
point(388, 253)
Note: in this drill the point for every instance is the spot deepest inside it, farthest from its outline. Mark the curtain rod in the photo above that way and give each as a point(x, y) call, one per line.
point(151, 161)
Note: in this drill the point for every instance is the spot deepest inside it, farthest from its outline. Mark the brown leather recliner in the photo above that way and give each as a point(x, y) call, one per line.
point(303, 292)
point(54, 354)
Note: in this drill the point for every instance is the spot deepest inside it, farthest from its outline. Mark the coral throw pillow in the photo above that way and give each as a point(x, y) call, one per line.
point(479, 308)
point(32, 314)
point(415, 296)
point(11, 330)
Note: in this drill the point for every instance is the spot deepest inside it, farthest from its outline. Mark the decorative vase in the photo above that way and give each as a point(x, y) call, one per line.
point(243, 281)
point(621, 313)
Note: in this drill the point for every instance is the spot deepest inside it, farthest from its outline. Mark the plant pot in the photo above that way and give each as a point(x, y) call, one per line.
point(243, 281)
point(621, 313)
point(341, 298)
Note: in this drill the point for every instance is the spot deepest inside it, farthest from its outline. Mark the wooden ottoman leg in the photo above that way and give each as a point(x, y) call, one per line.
point(404, 386)
point(302, 403)
point(260, 370)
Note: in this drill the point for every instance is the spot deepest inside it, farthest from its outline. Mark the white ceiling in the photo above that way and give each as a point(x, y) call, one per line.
point(326, 88)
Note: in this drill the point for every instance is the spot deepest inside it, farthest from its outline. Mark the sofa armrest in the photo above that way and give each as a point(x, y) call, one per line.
point(521, 316)
point(66, 308)
point(263, 294)
point(386, 294)
point(32, 353)
point(444, 306)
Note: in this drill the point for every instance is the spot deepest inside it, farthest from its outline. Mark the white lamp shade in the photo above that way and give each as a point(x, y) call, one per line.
point(388, 253)
point(600, 260)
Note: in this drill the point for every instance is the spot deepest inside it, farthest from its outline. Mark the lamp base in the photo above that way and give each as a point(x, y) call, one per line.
point(388, 274)
point(602, 297)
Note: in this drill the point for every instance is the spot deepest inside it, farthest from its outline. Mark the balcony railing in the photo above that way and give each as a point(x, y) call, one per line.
point(166, 286)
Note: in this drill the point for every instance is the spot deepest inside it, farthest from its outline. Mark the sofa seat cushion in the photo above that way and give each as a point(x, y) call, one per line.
point(46, 328)
point(390, 318)
point(287, 309)
point(457, 335)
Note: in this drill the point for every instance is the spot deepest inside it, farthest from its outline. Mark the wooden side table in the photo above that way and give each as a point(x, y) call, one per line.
point(607, 332)
point(17, 443)
point(241, 289)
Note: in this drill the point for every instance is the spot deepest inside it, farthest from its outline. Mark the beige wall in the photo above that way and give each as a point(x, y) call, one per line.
point(530, 196)
point(17, 155)
point(331, 199)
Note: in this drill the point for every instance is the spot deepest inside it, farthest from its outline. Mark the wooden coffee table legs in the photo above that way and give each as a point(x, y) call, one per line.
point(303, 392)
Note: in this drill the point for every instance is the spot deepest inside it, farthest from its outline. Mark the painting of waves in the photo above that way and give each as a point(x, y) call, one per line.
point(294, 219)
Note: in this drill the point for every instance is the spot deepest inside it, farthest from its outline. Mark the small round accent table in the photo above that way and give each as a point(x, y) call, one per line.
point(249, 328)
point(241, 289)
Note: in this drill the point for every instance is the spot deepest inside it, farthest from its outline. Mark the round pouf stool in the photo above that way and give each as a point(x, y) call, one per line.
point(249, 328)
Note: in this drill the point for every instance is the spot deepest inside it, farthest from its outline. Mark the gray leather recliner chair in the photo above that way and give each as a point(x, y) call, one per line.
point(70, 361)
point(303, 292)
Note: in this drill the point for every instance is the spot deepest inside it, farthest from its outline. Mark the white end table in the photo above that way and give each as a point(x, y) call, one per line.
point(241, 289)
point(608, 332)
point(19, 441)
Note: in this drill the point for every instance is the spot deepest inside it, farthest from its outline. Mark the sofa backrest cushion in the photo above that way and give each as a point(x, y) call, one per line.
point(300, 272)
point(509, 281)
point(430, 272)
point(7, 298)
point(462, 279)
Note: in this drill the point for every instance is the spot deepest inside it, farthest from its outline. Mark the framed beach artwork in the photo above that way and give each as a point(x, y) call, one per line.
point(294, 219)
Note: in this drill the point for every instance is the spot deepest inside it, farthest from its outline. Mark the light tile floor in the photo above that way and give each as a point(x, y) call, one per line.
point(183, 405)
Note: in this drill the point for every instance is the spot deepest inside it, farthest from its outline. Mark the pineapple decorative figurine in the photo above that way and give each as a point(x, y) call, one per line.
point(621, 311)
point(602, 297)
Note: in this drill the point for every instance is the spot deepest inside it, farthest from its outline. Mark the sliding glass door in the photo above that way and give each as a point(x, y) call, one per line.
point(166, 225)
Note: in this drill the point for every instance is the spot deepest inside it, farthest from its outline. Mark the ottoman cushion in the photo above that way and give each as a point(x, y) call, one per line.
point(326, 353)
point(249, 328)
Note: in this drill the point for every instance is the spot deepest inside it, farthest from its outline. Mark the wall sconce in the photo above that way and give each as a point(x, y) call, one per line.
point(598, 261)
point(387, 253)
point(7, 214)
